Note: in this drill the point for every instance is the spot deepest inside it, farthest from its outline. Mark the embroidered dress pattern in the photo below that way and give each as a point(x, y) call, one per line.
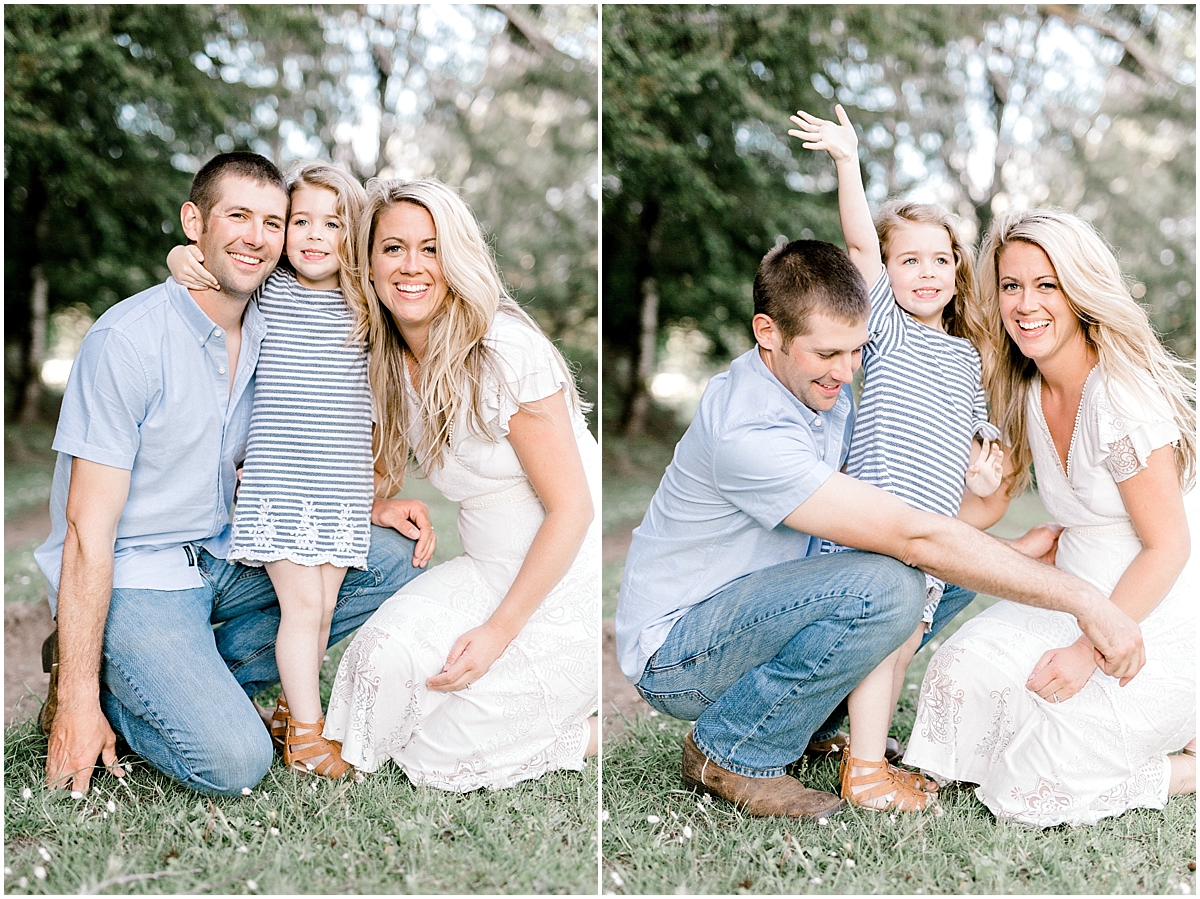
point(1103, 750)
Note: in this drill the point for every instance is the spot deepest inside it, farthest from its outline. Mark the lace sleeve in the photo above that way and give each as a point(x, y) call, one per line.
point(1126, 441)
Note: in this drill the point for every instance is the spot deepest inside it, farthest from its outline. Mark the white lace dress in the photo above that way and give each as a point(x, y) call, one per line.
point(528, 714)
point(1105, 749)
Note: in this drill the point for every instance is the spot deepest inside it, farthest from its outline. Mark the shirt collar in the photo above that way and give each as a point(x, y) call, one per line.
point(253, 323)
point(811, 418)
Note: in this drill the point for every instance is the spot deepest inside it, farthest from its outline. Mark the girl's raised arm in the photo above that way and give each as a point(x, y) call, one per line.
point(841, 143)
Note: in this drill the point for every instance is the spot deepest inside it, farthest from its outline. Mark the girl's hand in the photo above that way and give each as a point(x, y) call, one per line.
point(1061, 673)
point(838, 140)
point(470, 658)
point(411, 518)
point(986, 469)
point(186, 268)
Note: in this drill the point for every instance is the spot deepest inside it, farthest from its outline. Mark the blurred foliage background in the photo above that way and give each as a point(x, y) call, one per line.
point(977, 108)
point(110, 110)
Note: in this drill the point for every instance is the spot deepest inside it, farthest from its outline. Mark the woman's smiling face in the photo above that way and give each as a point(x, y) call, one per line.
point(1033, 307)
point(405, 270)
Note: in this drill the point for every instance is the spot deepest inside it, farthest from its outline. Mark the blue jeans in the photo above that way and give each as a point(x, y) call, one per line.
point(178, 689)
point(762, 664)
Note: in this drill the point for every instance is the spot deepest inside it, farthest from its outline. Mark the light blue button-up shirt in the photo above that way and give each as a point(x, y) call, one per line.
point(751, 456)
point(149, 393)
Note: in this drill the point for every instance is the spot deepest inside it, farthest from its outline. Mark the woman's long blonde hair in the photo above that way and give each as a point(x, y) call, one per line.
point(962, 316)
point(456, 359)
point(1113, 324)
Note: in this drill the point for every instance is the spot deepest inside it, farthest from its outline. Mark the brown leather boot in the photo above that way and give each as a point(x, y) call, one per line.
point(759, 796)
point(50, 666)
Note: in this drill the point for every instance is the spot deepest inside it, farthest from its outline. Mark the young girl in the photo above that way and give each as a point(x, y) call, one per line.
point(922, 406)
point(304, 504)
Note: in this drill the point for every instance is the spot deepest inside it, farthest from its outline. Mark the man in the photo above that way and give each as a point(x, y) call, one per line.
point(152, 429)
point(729, 616)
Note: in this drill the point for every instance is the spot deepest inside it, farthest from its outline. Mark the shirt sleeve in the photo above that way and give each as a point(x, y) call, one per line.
point(1131, 421)
point(768, 471)
point(981, 427)
point(529, 370)
point(105, 402)
point(887, 320)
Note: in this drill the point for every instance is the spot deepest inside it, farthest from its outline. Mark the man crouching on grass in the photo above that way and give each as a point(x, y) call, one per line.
point(728, 615)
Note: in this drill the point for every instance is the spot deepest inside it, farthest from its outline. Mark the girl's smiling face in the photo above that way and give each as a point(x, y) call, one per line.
point(405, 270)
point(314, 237)
point(920, 265)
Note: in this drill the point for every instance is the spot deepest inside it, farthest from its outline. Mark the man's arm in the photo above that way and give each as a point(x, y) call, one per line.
point(864, 517)
point(80, 732)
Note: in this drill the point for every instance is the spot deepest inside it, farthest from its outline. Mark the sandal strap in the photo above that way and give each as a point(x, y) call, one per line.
point(878, 783)
point(312, 744)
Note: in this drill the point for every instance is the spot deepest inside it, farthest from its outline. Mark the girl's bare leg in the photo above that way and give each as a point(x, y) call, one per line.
point(904, 656)
point(1183, 771)
point(593, 745)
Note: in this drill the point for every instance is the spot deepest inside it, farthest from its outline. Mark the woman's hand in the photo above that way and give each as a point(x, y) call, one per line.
point(470, 658)
point(411, 518)
point(838, 140)
point(186, 267)
point(986, 470)
point(1061, 673)
point(1039, 542)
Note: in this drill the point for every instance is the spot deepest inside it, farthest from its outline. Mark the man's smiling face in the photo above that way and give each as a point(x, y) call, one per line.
point(817, 363)
point(243, 234)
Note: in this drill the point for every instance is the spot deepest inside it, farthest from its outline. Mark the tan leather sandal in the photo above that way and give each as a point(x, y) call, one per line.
point(279, 722)
point(880, 782)
point(299, 747)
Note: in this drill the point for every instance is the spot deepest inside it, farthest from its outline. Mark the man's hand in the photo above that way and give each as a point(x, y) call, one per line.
point(411, 518)
point(1040, 542)
point(838, 140)
point(77, 738)
point(1062, 672)
point(1117, 640)
point(470, 658)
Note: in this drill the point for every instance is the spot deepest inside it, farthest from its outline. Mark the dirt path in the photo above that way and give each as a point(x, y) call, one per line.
point(26, 625)
point(619, 702)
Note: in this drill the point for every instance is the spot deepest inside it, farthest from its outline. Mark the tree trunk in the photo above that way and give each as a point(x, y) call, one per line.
point(639, 398)
point(31, 402)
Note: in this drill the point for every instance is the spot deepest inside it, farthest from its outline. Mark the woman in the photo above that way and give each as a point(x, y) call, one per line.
point(482, 671)
point(1081, 387)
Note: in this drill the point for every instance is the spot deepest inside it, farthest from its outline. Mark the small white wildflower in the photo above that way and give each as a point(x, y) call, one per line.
point(23, 883)
point(104, 814)
point(44, 853)
point(675, 815)
point(243, 849)
point(314, 787)
point(246, 791)
point(39, 872)
point(7, 871)
point(652, 819)
point(387, 839)
point(822, 821)
point(603, 814)
point(708, 798)
point(937, 811)
point(816, 880)
point(912, 686)
point(27, 793)
point(653, 713)
point(892, 817)
point(662, 726)
point(325, 659)
point(687, 832)
point(111, 806)
point(843, 825)
point(75, 794)
point(345, 855)
point(850, 863)
point(274, 831)
point(1184, 889)
point(616, 879)
point(252, 885)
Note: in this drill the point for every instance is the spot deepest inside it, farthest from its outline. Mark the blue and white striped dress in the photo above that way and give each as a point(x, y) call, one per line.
point(307, 485)
point(922, 403)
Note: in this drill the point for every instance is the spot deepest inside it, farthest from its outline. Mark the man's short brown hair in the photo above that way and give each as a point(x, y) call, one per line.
point(240, 164)
point(807, 276)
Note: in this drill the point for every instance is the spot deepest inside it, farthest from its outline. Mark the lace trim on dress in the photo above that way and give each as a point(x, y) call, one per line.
point(1129, 443)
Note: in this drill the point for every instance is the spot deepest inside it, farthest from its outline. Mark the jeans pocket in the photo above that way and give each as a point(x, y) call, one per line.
point(686, 704)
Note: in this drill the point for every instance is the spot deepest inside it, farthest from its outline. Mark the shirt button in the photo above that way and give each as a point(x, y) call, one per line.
point(221, 370)
point(217, 332)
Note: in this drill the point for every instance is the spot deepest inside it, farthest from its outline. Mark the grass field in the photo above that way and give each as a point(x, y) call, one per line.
point(660, 838)
point(292, 834)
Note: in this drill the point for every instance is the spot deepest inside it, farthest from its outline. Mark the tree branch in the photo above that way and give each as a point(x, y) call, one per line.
point(1132, 43)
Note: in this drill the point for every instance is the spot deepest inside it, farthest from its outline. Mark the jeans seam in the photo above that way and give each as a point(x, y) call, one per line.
point(789, 695)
